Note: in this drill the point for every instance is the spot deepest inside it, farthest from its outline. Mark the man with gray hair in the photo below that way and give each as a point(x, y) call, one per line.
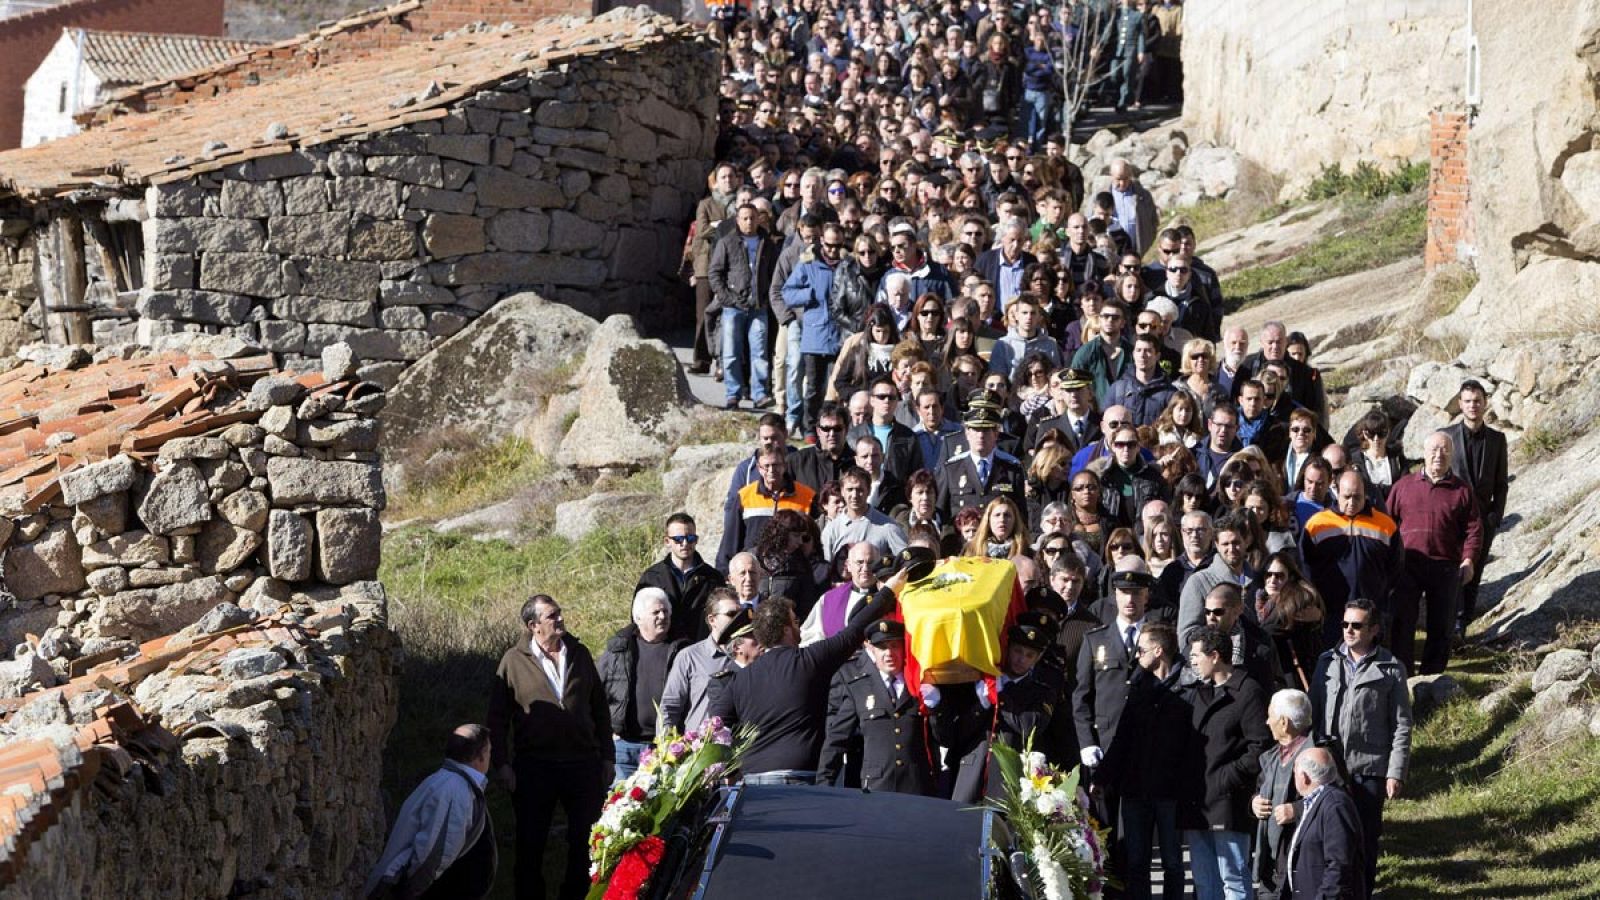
point(1305, 383)
point(1277, 805)
point(1003, 266)
point(634, 672)
point(1326, 852)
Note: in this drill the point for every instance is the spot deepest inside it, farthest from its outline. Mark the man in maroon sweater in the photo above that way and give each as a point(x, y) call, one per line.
point(1442, 532)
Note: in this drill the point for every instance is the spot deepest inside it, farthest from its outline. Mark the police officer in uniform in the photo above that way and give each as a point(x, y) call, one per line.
point(1009, 440)
point(983, 472)
point(1106, 664)
point(872, 700)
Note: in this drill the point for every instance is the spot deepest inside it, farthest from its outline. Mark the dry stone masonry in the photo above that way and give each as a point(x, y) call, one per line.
point(570, 172)
point(201, 675)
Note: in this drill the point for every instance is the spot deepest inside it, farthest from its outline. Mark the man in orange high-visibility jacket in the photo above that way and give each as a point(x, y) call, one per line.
point(756, 503)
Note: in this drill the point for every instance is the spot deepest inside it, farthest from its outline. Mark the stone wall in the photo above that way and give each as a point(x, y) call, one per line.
point(1295, 89)
point(252, 770)
point(18, 292)
point(575, 181)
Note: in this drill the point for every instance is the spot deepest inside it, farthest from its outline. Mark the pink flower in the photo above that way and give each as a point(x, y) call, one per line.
point(723, 736)
point(676, 748)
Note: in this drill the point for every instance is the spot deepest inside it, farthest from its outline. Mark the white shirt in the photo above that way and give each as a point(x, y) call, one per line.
point(554, 669)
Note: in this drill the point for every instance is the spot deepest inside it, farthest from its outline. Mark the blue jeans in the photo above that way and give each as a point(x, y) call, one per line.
point(1140, 820)
point(744, 346)
point(1036, 116)
point(1221, 864)
point(626, 755)
point(793, 377)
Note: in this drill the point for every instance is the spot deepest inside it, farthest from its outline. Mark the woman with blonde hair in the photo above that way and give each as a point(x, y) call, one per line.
point(1002, 532)
point(1049, 478)
point(1160, 542)
point(1197, 368)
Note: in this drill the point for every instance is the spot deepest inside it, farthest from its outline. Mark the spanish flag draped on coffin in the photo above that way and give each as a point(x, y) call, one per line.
point(956, 620)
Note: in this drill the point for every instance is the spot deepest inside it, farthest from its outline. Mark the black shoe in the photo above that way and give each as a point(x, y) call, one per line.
point(764, 403)
point(700, 368)
point(731, 404)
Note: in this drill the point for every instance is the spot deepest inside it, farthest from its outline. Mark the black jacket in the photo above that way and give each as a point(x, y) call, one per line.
point(1305, 382)
point(1124, 492)
point(732, 284)
point(618, 673)
point(1329, 854)
point(901, 457)
point(894, 749)
point(1490, 482)
point(1229, 732)
point(1147, 760)
point(813, 468)
point(688, 596)
point(854, 289)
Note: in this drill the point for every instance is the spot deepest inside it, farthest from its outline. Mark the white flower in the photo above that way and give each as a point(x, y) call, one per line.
point(1052, 877)
point(1025, 790)
point(1045, 804)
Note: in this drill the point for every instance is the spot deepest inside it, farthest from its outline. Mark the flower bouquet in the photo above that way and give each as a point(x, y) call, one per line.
point(1064, 848)
point(626, 844)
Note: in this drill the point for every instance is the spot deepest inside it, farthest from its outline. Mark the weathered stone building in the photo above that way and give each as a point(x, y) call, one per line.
point(201, 675)
point(384, 202)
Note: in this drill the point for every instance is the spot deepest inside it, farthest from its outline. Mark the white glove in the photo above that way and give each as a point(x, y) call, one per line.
point(930, 695)
point(983, 694)
point(1091, 756)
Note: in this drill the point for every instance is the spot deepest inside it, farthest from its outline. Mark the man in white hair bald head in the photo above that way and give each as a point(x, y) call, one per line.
point(634, 674)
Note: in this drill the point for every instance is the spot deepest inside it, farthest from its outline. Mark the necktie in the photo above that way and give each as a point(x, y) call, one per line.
point(983, 472)
point(1127, 640)
point(1080, 428)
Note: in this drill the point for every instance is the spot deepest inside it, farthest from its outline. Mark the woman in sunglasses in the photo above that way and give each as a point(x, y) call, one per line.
point(1049, 481)
point(927, 323)
point(1229, 491)
point(1089, 521)
point(1119, 543)
point(1290, 609)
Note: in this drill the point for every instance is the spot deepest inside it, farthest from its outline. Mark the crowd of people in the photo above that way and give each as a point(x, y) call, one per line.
point(957, 351)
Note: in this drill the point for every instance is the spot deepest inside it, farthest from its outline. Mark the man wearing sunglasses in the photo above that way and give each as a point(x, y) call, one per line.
point(1361, 699)
point(686, 578)
point(806, 293)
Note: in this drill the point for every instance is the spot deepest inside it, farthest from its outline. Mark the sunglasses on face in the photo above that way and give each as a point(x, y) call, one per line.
point(1274, 574)
point(1299, 429)
point(883, 396)
point(1083, 487)
point(1233, 483)
point(1215, 612)
point(1177, 269)
point(1124, 444)
point(681, 539)
point(1054, 550)
point(1355, 626)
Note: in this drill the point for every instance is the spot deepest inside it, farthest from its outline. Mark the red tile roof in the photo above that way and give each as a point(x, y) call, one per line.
point(131, 57)
point(411, 83)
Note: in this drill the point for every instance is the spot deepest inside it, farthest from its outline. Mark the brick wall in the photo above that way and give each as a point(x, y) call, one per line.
point(25, 39)
point(362, 35)
point(1450, 230)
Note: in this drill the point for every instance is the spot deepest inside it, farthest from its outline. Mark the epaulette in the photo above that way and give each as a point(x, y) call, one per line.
point(958, 457)
point(724, 673)
point(1002, 455)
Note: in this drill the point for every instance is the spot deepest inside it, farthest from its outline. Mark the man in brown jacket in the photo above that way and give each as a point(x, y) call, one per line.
point(713, 208)
point(550, 729)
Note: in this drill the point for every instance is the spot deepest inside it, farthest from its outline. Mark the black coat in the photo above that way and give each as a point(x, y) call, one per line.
point(732, 285)
point(1327, 855)
point(1223, 759)
point(1305, 383)
point(1490, 482)
point(960, 487)
point(618, 674)
point(854, 290)
point(1104, 670)
point(688, 597)
point(813, 468)
point(901, 457)
point(1123, 492)
point(1147, 758)
point(894, 749)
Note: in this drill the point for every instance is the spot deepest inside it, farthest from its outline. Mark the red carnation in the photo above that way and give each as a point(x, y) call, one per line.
point(634, 869)
point(636, 794)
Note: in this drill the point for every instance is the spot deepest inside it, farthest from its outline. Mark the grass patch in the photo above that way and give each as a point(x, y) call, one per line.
point(1367, 180)
point(1373, 234)
point(1450, 286)
point(455, 471)
point(1542, 442)
point(454, 601)
point(1485, 818)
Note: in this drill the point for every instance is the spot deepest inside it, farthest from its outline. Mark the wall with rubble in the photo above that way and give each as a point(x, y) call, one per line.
point(249, 767)
point(576, 182)
point(200, 688)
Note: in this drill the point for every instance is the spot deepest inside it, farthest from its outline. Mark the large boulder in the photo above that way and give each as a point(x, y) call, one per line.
point(634, 401)
point(576, 518)
point(51, 563)
point(491, 375)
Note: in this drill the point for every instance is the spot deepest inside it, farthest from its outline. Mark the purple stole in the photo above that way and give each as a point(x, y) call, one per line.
point(834, 603)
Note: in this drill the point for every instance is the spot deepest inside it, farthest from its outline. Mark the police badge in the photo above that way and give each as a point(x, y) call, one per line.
point(871, 701)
